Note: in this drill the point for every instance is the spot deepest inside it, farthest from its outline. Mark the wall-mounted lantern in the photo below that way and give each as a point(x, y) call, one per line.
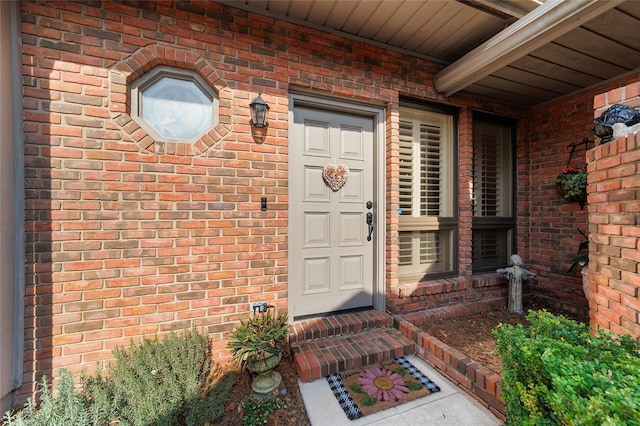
point(259, 111)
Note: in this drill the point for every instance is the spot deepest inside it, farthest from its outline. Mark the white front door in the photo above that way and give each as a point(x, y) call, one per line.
point(331, 260)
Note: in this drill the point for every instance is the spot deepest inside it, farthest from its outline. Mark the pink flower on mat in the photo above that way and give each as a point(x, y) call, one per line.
point(383, 385)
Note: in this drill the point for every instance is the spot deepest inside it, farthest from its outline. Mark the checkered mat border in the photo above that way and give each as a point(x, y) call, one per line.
point(347, 403)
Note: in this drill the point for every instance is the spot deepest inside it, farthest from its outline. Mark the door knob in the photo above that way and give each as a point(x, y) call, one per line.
point(370, 223)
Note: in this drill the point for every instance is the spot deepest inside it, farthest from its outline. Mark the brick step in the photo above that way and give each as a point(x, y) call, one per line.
point(345, 342)
point(335, 325)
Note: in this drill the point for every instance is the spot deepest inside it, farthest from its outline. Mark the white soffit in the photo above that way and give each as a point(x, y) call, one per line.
point(537, 28)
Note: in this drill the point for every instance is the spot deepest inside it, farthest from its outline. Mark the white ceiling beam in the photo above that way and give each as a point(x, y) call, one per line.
point(497, 7)
point(537, 28)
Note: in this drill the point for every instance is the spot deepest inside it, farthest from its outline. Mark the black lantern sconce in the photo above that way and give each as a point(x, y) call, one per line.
point(259, 111)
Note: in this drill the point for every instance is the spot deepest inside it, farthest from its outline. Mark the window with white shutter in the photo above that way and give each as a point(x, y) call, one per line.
point(427, 187)
point(493, 210)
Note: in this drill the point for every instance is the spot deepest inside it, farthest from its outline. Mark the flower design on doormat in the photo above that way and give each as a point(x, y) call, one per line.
point(349, 387)
point(383, 385)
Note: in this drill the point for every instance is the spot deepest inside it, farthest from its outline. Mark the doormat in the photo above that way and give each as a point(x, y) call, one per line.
point(379, 386)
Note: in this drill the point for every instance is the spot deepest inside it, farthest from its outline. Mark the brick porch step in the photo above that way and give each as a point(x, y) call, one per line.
point(323, 346)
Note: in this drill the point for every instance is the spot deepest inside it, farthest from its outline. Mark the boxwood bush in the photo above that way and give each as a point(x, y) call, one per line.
point(556, 372)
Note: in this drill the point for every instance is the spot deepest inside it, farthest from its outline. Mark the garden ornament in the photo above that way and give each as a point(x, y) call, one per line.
point(516, 274)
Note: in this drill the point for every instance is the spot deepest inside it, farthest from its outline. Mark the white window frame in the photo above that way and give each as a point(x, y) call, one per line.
point(158, 73)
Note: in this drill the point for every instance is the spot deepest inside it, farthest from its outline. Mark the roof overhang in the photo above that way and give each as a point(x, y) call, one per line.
point(520, 52)
point(536, 29)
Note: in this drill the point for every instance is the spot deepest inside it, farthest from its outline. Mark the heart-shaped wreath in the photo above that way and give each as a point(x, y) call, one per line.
point(335, 176)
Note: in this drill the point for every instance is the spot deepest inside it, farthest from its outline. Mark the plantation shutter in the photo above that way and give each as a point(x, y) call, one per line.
point(431, 155)
point(407, 165)
point(492, 196)
point(492, 174)
point(424, 192)
point(419, 248)
point(488, 185)
point(490, 247)
point(420, 169)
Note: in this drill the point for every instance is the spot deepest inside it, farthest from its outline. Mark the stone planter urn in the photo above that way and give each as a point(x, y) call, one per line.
point(258, 343)
point(267, 380)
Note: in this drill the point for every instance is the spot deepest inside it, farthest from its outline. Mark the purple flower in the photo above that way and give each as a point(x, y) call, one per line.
point(383, 385)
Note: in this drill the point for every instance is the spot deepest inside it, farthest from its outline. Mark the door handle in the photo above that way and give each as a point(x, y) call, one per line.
point(370, 223)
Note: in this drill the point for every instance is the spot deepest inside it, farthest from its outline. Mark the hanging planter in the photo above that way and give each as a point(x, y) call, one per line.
point(571, 184)
point(577, 198)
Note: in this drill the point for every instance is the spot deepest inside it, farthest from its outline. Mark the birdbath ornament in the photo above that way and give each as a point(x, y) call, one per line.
point(516, 274)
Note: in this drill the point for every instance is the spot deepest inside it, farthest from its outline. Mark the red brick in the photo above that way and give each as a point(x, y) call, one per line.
point(610, 315)
point(193, 217)
point(614, 96)
point(599, 101)
point(491, 381)
point(632, 326)
point(609, 293)
point(598, 321)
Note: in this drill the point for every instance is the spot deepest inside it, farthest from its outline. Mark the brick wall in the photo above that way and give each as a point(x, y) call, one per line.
point(553, 223)
point(127, 237)
point(614, 219)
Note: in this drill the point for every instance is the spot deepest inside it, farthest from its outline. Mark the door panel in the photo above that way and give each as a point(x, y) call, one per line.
point(331, 261)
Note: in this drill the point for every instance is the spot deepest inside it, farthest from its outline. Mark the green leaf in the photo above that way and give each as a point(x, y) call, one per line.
point(414, 386)
point(367, 400)
point(357, 388)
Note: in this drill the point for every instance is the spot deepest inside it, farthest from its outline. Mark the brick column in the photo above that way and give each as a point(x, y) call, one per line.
point(614, 224)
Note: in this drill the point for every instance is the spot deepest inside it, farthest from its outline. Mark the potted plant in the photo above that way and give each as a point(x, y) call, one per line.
point(257, 344)
point(572, 184)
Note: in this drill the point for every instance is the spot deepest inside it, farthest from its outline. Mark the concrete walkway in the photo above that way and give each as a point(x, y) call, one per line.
point(449, 407)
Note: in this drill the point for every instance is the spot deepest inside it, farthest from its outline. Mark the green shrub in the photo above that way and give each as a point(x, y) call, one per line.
point(65, 408)
point(556, 373)
point(160, 382)
point(256, 411)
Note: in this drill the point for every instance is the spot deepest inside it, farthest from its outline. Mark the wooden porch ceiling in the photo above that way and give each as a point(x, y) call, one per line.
point(601, 46)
